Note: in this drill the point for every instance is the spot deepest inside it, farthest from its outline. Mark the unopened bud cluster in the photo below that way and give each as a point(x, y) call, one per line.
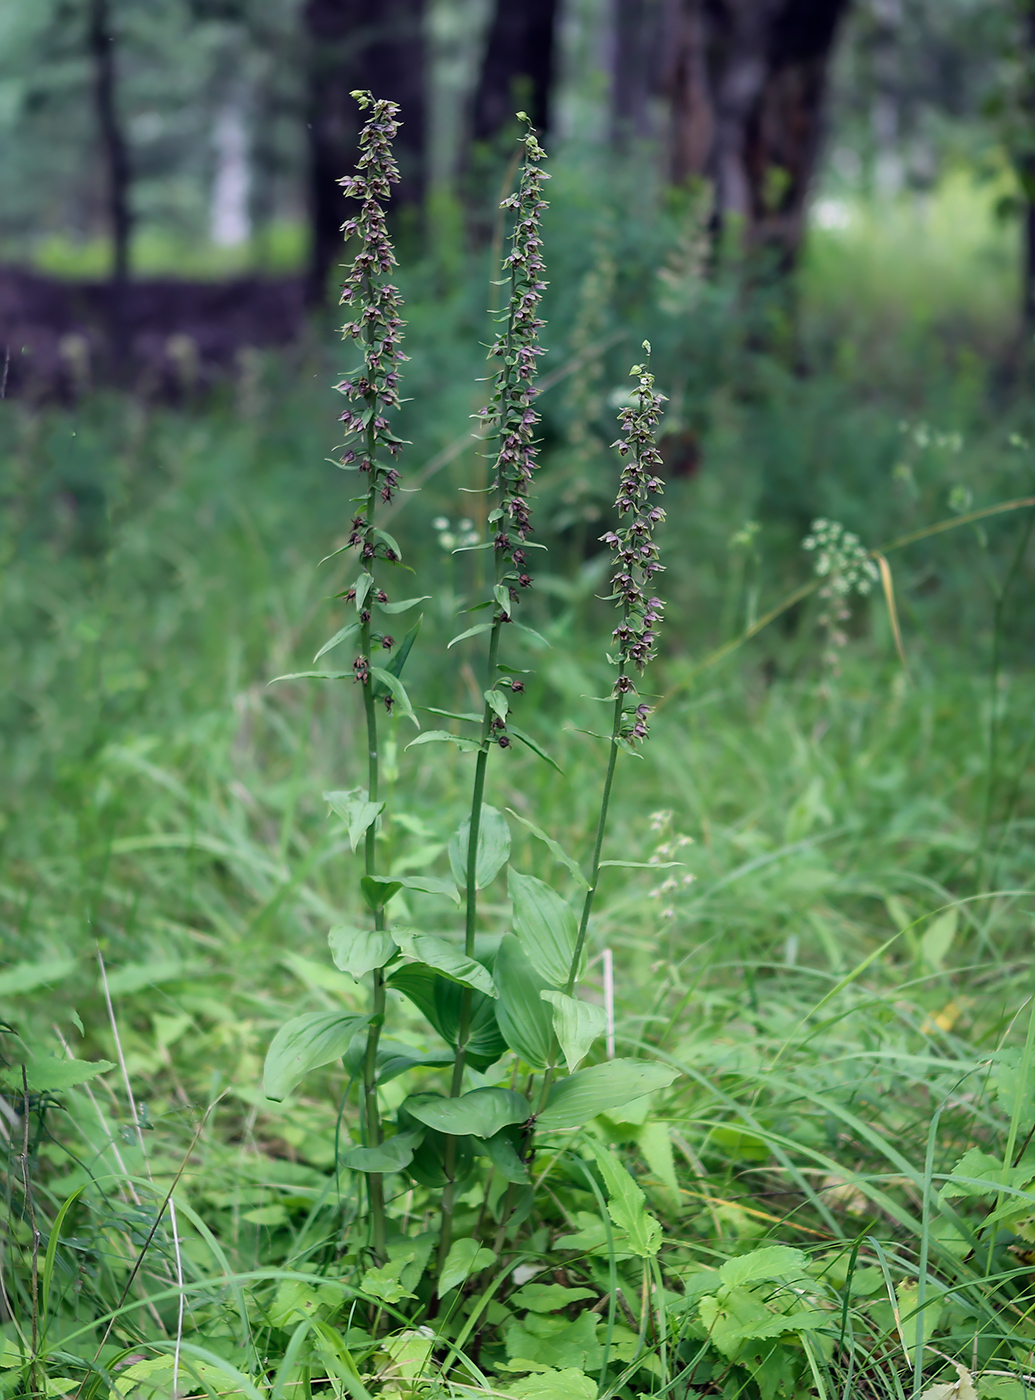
point(510, 409)
point(633, 545)
point(372, 390)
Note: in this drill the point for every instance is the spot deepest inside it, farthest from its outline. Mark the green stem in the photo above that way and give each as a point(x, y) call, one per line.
point(471, 922)
point(594, 878)
point(371, 1112)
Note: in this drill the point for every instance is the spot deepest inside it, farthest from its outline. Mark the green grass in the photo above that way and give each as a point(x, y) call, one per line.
point(837, 968)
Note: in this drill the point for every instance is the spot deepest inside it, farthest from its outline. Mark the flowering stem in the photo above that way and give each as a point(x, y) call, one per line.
point(378, 327)
point(511, 412)
point(605, 802)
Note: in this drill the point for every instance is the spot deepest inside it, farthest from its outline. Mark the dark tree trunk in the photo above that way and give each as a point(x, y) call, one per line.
point(359, 44)
point(747, 81)
point(517, 71)
point(636, 34)
point(101, 43)
point(1026, 169)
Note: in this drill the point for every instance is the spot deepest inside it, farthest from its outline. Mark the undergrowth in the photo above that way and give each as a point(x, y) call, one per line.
point(837, 969)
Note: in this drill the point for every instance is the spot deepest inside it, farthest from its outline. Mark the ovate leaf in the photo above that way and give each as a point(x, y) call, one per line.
point(493, 848)
point(355, 810)
point(465, 1257)
point(773, 1261)
point(46, 1074)
point(391, 1156)
point(524, 1019)
point(576, 1025)
point(481, 1113)
point(601, 1089)
point(627, 1205)
point(306, 1043)
point(546, 926)
point(503, 1151)
point(358, 951)
point(449, 960)
point(439, 999)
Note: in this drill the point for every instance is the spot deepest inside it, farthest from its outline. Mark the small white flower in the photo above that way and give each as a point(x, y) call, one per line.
point(440, 523)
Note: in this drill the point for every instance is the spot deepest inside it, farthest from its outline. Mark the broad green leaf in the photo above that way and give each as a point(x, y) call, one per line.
point(391, 1156)
point(739, 1315)
point(576, 1025)
point(306, 1043)
point(27, 976)
point(443, 736)
point(550, 1384)
point(409, 1352)
point(384, 1283)
point(493, 848)
point(340, 636)
point(447, 958)
point(379, 889)
point(524, 1019)
point(394, 1057)
point(394, 685)
point(938, 939)
point(548, 1297)
point(497, 703)
point(910, 1320)
point(439, 999)
point(355, 811)
point(48, 1075)
point(554, 1341)
point(1012, 1094)
point(364, 583)
point(556, 850)
point(503, 1151)
point(358, 951)
point(655, 1143)
point(601, 1089)
point(773, 1261)
point(480, 1113)
point(740, 1142)
point(466, 1256)
point(502, 595)
point(546, 926)
point(979, 1174)
point(627, 1205)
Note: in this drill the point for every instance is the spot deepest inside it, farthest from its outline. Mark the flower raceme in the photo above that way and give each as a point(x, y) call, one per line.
point(510, 411)
point(373, 389)
point(633, 547)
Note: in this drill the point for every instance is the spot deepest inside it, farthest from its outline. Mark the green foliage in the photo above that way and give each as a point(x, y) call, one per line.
point(812, 1143)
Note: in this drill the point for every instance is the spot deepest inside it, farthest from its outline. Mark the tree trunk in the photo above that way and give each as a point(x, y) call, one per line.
point(101, 43)
point(517, 71)
point(636, 36)
point(746, 81)
point(1026, 170)
point(357, 44)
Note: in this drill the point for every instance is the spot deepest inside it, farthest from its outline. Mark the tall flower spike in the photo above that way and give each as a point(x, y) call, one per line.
point(372, 390)
point(635, 553)
point(510, 412)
